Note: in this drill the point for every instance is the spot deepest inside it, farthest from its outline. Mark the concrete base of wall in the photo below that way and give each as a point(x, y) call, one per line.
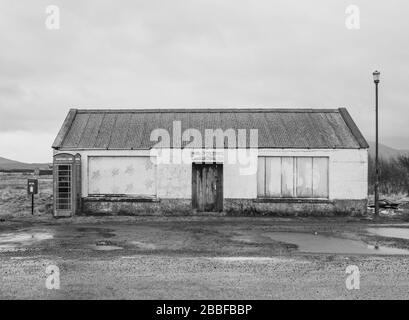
point(295, 207)
point(120, 206)
point(232, 207)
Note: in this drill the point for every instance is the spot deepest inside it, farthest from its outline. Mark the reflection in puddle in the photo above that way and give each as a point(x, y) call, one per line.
point(311, 243)
point(246, 239)
point(10, 242)
point(391, 232)
point(102, 232)
point(255, 259)
point(10, 248)
point(24, 237)
point(144, 245)
point(259, 259)
point(105, 247)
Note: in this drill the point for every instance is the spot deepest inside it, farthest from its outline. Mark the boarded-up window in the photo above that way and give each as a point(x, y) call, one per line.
point(121, 176)
point(273, 175)
point(304, 177)
point(320, 177)
point(288, 177)
point(261, 175)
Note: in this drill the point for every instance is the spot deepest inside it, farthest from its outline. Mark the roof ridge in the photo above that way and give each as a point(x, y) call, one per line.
point(218, 110)
point(353, 128)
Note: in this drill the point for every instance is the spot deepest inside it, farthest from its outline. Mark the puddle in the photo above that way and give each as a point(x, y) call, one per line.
point(245, 239)
point(387, 250)
point(10, 248)
point(252, 259)
point(143, 245)
point(11, 242)
point(311, 243)
point(391, 232)
point(24, 237)
point(102, 232)
point(232, 259)
point(105, 247)
point(250, 239)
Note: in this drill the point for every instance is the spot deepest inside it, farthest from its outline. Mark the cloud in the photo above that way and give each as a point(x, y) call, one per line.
point(26, 147)
point(191, 53)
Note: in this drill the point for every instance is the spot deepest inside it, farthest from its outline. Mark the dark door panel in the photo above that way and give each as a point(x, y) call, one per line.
point(207, 187)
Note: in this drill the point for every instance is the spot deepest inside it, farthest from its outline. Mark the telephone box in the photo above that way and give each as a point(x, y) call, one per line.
point(67, 184)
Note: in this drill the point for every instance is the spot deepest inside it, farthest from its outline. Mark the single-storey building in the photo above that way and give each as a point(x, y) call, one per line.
point(187, 161)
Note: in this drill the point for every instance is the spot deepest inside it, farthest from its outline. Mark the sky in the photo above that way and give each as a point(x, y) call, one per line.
point(199, 53)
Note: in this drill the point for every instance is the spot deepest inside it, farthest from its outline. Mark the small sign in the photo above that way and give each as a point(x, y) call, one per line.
point(32, 186)
point(209, 155)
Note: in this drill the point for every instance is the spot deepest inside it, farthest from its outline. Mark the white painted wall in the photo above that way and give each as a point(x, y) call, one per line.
point(348, 178)
point(238, 185)
point(175, 181)
point(121, 175)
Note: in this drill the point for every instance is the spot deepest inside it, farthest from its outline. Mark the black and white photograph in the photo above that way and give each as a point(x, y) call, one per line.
point(204, 155)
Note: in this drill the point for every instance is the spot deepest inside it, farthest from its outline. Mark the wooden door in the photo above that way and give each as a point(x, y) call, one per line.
point(207, 187)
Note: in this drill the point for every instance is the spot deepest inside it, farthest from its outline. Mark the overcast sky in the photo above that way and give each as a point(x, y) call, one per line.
point(189, 53)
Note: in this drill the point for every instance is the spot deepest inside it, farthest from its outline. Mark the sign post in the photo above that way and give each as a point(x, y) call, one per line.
point(32, 189)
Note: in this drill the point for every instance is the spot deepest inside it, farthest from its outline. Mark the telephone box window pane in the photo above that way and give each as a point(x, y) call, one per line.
point(63, 199)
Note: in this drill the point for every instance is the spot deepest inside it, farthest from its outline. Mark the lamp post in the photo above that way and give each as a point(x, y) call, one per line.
point(376, 75)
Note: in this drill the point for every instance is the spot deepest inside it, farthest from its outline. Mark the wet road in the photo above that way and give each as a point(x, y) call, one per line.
point(203, 257)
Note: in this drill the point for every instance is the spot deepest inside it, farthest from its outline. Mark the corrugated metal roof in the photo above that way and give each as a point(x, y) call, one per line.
point(277, 128)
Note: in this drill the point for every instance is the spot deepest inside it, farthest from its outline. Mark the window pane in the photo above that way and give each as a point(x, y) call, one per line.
point(260, 176)
point(320, 177)
point(273, 176)
point(63, 198)
point(304, 177)
point(287, 177)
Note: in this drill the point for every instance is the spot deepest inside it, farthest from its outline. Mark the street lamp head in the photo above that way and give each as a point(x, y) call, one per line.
point(376, 75)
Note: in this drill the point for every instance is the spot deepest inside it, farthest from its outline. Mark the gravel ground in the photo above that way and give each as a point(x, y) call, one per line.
point(192, 258)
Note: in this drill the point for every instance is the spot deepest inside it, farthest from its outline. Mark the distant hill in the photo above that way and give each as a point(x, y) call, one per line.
point(385, 151)
point(7, 164)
